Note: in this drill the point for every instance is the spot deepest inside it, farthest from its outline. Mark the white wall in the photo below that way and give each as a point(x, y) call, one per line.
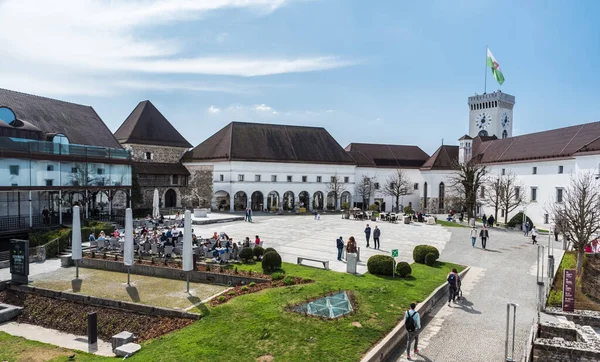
point(380, 175)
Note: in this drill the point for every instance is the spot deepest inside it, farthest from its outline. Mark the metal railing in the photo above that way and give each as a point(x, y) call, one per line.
point(51, 148)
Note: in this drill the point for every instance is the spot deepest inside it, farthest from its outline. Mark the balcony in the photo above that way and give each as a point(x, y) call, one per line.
point(30, 147)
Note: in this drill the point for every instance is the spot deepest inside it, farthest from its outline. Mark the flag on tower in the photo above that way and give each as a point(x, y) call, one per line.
point(492, 63)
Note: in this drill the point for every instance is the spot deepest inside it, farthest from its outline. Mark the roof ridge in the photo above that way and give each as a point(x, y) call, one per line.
point(572, 138)
point(42, 97)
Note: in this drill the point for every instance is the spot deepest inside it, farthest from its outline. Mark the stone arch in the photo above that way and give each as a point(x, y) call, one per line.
point(304, 199)
point(346, 197)
point(288, 201)
point(256, 201)
point(273, 201)
point(331, 201)
point(170, 198)
point(222, 200)
point(318, 200)
point(240, 200)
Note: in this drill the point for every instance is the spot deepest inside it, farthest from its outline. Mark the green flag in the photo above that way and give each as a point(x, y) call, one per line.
point(492, 63)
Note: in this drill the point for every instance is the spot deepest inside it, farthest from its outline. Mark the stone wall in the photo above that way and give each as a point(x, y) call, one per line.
point(160, 154)
point(566, 342)
point(148, 196)
point(169, 273)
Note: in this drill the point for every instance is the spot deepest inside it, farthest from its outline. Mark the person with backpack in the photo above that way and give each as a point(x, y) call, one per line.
point(412, 322)
point(452, 285)
point(484, 235)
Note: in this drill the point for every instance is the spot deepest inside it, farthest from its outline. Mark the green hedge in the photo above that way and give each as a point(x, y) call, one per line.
point(421, 251)
point(380, 265)
point(271, 261)
point(246, 254)
point(403, 269)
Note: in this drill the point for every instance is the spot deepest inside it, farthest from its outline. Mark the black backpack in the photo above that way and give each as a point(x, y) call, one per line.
point(452, 279)
point(410, 322)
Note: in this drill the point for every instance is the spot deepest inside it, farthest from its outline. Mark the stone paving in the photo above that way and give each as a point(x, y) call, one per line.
point(474, 328)
point(295, 236)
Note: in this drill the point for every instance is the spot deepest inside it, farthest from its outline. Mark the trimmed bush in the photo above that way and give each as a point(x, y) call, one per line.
point(277, 276)
point(231, 292)
point(380, 265)
point(421, 251)
point(345, 206)
point(258, 252)
point(271, 261)
point(373, 207)
point(289, 280)
point(430, 259)
point(246, 254)
point(252, 284)
point(270, 249)
point(518, 220)
point(244, 288)
point(403, 269)
point(221, 299)
point(408, 210)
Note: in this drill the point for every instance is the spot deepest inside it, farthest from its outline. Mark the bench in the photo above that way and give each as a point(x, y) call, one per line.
point(325, 262)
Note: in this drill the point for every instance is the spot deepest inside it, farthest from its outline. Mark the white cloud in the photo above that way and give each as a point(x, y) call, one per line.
point(213, 109)
point(262, 108)
point(96, 44)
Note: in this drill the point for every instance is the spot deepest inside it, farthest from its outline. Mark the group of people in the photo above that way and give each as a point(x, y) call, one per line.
point(248, 215)
point(376, 236)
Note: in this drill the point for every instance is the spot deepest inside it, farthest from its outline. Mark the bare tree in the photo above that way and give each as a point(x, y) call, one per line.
point(511, 194)
point(466, 180)
point(579, 212)
point(199, 189)
point(335, 187)
point(364, 189)
point(491, 194)
point(397, 184)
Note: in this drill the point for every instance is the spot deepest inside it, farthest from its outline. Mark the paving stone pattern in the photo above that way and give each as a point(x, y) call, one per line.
point(474, 328)
point(294, 236)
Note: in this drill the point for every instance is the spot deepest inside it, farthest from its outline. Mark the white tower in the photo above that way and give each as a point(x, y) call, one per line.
point(491, 114)
point(465, 149)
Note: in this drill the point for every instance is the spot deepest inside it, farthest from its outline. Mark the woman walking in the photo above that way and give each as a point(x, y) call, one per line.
point(534, 234)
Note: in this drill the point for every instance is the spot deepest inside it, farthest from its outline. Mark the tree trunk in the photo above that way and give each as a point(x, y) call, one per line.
point(397, 203)
point(496, 213)
point(505, 217)
point(580, 256)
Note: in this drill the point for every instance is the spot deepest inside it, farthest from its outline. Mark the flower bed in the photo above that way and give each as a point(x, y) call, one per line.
point(253, 288)
point(71, 317)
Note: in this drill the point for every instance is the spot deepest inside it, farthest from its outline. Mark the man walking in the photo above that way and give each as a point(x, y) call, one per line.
point(484, 220)
point(534, 234)
point(484, 235)
point(526, 228)
point(473, 235)
point(452, 285)
point(368, 234)
point(46, 215)
point(412, 322)
point(249, 215)
point(340, 247)
point(376, 235)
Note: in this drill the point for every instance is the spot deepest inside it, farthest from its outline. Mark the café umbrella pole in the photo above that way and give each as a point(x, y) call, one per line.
point(128, 247)
point(76, 248)
point(188, 261)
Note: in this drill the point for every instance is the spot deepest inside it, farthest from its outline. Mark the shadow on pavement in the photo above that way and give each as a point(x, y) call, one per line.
point(76, 285)
point(133, 294)
point(466, 306)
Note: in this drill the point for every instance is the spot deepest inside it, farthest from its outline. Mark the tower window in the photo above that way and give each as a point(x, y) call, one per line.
point(148, 155)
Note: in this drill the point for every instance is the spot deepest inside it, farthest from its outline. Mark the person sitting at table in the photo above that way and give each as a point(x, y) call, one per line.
point(116, 233)
point(92, 237)
point(228, 243)
point(257, 240)
point(224, 236)
point(215, 236)
point(175, 232)
point(101, 236)
point(246, 242)
point(234, 251)
point(148, 217)
point(163, 238)
point(161, 219)
point(169, 233)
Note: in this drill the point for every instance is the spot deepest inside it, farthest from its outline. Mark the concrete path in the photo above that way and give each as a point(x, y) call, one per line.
point(51, 336)
point(295, 236)
point(474, 328)
point(49, 265)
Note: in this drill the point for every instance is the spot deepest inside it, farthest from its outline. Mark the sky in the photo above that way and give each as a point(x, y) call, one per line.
point(386, 71)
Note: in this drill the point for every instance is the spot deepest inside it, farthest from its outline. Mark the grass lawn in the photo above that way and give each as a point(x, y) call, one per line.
point(451, 224)
point(17, 349)
point(255, 325)
point(146, 290)
point(569, 261)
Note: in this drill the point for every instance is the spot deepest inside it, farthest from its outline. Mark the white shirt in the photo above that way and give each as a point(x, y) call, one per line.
point(473, 233)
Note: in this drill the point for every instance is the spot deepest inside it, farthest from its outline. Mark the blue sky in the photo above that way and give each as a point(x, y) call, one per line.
point(369, 71)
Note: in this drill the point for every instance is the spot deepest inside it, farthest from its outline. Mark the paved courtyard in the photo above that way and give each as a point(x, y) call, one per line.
point(295, 236)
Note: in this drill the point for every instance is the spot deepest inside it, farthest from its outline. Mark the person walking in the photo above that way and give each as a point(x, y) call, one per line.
point(484, 220)
point(484, 235)
point(491, 221)
point(452, 285)
point(46, 215)
point(368, 234)
point(340, 247)
point(376, 235)
point(473, 235)
point(595, 246)
point(527, 228)
point(412, 322)
point(534, 234)
point(249, 215)
point(246, 215)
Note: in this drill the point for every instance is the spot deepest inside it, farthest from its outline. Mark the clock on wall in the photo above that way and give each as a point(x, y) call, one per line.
point(505, 119)
point(483, 120)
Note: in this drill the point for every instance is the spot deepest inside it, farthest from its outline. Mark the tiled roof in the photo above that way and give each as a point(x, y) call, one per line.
point(81, 124)
point(443, 159)
point(155, 168)
point(361, 159)
point(391, 155)
point(147, 126)
point(561, 142)
point(240, 141)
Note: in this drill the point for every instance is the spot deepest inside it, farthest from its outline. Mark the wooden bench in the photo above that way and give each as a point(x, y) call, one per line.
point(325, 262)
